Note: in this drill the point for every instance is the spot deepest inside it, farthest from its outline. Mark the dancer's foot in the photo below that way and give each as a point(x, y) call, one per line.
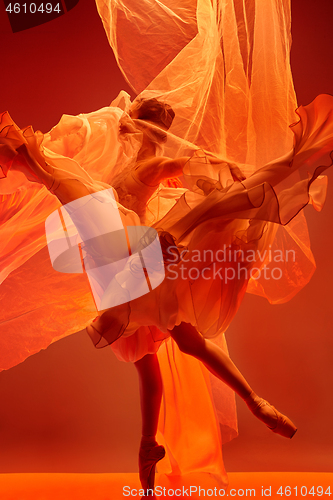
point(150, 453)
point(275, 421)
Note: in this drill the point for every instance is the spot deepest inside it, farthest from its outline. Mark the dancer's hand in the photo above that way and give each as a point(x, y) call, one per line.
point(235, 171)
point(208, 186)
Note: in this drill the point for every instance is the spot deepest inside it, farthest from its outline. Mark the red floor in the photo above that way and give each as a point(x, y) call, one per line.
point(119, 486)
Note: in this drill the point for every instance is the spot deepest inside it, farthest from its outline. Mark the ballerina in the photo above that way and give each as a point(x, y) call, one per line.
point(22, 156)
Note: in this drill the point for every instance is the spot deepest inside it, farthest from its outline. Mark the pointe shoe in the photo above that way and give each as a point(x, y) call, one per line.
point(148, 458)
point(275, 421)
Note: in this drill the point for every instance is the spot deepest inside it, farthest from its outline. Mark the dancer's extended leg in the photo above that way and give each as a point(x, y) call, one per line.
point(190, 341)
point(150, 384)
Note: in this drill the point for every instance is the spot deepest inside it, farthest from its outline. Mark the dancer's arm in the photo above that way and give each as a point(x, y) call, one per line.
point(66, 185)
point(156, 170)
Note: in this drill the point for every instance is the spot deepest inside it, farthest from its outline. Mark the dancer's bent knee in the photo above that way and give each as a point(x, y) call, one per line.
point(188, 339)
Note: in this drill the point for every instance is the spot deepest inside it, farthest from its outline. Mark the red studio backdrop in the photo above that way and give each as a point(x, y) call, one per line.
point(72, 408)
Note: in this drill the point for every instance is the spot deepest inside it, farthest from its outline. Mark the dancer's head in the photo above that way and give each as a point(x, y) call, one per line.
point(154, 111)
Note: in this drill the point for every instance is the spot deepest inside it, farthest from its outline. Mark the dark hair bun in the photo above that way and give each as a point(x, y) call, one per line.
point(159, 113)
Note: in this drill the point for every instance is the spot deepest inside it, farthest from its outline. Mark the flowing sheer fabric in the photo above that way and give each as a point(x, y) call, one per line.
point(222, 65)
point(224, 68)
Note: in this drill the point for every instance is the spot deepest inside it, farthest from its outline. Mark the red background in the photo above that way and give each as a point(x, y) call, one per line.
point(74, 409)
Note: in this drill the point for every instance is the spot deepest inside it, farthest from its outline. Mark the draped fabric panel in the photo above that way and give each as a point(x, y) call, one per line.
point(223, 65)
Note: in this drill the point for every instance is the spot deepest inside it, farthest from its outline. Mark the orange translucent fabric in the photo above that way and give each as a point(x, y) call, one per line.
point(224, 68)
point(188, 426)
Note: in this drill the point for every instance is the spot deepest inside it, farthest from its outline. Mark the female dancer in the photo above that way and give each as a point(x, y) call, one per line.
point(247, 196)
